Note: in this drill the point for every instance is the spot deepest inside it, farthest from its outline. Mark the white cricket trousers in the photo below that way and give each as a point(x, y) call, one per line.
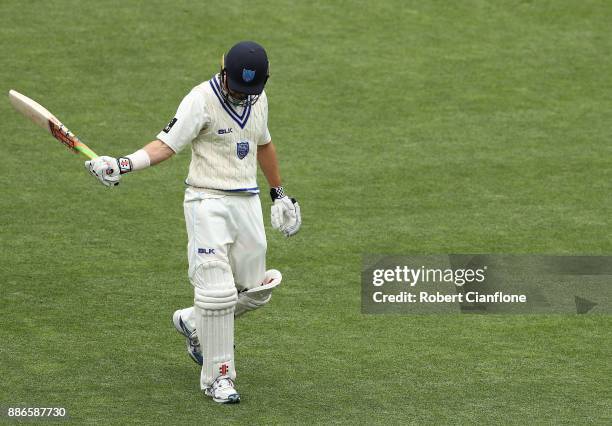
point(228, 228)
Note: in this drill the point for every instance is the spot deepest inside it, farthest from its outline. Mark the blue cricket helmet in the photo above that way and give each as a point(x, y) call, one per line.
point(246, 68)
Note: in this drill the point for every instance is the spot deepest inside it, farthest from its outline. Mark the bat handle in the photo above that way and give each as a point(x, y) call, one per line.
point(86, 151)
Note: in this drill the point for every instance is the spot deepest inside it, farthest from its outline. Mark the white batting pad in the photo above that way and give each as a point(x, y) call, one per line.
point(215, 300)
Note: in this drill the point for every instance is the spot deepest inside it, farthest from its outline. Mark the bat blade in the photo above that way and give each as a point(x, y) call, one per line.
point(45, 119)
point(31, 109)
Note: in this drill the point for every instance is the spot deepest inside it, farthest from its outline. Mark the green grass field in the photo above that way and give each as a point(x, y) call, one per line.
point(403, 127)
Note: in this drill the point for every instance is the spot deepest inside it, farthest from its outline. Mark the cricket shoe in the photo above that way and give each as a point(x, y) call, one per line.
point(222, 391)
point(191, 337)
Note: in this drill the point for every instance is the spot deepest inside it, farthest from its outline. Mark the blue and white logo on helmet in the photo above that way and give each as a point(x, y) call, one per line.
point(248, 75)
point(242, 149)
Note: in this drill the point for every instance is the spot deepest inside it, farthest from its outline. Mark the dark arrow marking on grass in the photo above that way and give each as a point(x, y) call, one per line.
point(583, 305)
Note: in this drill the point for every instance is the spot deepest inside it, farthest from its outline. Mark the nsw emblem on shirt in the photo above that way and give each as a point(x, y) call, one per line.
point(242, 149)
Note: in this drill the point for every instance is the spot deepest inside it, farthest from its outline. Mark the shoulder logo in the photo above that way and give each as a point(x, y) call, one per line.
point(224, 131)
point(248, 75)
point(169, 126)
point(242, 149)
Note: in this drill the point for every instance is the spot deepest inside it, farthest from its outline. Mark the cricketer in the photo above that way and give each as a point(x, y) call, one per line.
point(225, 119)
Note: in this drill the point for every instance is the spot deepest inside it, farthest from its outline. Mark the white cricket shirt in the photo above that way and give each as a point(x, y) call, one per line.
point(223, 138)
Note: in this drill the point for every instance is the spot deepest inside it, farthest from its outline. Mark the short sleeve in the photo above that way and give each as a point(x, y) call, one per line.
point(266, 139)
point(191, 117)
point(265, 136)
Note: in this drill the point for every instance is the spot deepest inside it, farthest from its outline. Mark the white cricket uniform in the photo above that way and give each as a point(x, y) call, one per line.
point(222, 207)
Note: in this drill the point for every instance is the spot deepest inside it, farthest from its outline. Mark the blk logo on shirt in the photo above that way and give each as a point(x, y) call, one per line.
point(206, 251)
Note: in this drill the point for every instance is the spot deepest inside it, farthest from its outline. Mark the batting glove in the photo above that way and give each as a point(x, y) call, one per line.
point(105, 169)
point(285, 212)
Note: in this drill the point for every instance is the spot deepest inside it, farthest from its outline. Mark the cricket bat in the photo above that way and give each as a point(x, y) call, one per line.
point(43, 118)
